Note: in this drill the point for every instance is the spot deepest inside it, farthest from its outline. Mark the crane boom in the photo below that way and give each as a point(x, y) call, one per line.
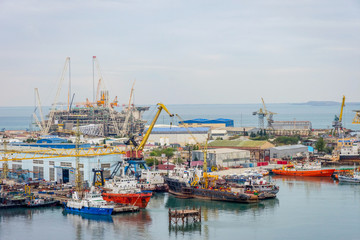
point(124, 128)
point(148, 132)
point(342, 108)
point(265, 110)
point(52, 111)
point(40, 108)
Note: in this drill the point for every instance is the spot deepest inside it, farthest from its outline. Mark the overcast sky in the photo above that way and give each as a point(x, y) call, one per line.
point(182, 52)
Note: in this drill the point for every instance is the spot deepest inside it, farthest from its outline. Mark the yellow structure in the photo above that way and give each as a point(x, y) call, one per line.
point(356, 119)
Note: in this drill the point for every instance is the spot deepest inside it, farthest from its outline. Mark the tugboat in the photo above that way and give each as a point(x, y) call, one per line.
point(124, 190)
point(92, 203)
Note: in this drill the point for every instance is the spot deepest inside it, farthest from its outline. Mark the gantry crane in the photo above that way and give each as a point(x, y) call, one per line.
point(262, 113)
point(337, 123)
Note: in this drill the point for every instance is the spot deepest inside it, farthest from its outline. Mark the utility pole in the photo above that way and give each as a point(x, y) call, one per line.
point(5, 164)
point(78, 182)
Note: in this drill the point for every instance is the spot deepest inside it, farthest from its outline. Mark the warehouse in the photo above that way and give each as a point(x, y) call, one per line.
point(62, 170)
point(167, 135)
point(223, 157)
point(288, 151)
point(259, 150)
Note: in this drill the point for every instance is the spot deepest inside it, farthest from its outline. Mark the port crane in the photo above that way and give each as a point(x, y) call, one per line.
point(134, 156)
point(262, 113)
point(337, 123)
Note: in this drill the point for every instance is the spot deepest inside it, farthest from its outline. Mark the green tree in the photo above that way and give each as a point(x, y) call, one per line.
point(150, 162)
point(320, 145)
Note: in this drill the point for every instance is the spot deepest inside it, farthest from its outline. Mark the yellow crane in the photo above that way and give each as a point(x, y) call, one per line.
point(204, 150)
point(137, 151)
point(337, 123)
point(17, 155)
point(356, 119)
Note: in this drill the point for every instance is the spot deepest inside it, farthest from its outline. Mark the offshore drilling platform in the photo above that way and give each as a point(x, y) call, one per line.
point(97, 118)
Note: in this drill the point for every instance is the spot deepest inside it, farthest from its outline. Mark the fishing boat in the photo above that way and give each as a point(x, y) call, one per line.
point(124, 190)
point(92, 203)
point(289, 170)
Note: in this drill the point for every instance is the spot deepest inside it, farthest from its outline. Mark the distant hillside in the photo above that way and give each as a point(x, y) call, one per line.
point(326, 103)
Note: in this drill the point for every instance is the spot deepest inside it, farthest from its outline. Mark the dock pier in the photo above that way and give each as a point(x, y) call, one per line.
point(175, 216)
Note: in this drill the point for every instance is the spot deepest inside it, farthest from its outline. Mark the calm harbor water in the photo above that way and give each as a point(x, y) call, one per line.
point(12, 118)
point(306, 208)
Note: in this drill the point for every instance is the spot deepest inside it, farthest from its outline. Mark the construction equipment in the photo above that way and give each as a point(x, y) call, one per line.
point(356, 119)
point(262, 113)
point(41, 124)
point(5, 166)
point(204, 150)
point(53, 107)
point(134, 156)
point(137, 152)
point(337, 123)
point(78, 181)
point(124, 130)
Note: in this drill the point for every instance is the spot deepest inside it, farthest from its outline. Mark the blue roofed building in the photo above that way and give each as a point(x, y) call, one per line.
point(202, 122)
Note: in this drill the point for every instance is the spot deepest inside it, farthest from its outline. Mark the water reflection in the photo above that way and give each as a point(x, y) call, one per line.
point(216, 206)
point(315, 180)
point(27, 213)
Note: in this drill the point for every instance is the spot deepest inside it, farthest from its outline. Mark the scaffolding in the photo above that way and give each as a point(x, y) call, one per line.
point(97, 121)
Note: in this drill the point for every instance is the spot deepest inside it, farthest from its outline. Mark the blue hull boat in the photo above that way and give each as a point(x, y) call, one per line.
point(90, 210)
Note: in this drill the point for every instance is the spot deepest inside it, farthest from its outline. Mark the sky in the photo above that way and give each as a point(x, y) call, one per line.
point(181, 52)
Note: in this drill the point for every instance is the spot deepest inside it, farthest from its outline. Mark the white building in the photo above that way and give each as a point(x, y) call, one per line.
point(62, 170)
point(166, 135)
point(224, 157)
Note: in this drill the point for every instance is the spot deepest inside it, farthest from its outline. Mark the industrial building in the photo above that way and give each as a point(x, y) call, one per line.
point(282, 128)
point(259, 150)
point(289, 151)
point(97, 121)
point(167, 135)
point(62, 170)
point(202, 122)
point(223, 157)
point(51, 142)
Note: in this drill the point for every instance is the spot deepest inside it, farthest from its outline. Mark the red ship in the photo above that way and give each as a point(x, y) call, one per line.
point(124, 190)
point(140, 199)
point(305, 173)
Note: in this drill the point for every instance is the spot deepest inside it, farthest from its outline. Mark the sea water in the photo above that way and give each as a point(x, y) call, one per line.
point(321, 116)
point(305, 208)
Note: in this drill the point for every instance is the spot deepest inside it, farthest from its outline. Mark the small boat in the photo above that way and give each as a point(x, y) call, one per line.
point(40, 202)
point(92, 203)
point(351, 176)
point(12, 200)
